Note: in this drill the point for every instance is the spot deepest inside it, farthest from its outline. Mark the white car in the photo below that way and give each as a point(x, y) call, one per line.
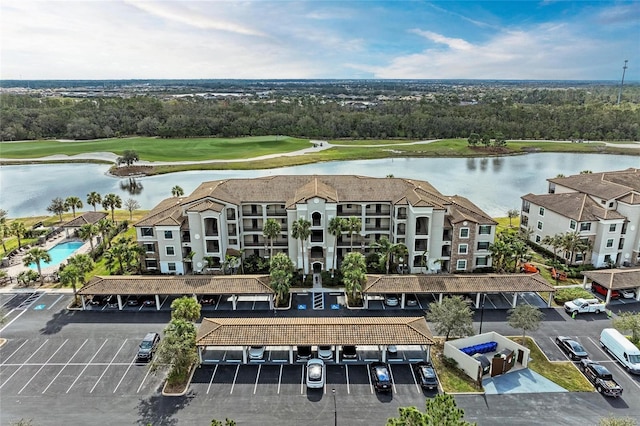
point(627, 293)
point(256, 352)
point(315, 373)
point(325, 352)
point(391, 300)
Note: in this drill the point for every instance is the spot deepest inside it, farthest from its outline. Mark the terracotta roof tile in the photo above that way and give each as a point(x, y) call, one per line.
point(574, 205)
point(605, 185)
point(615, 278)
point(85, 218)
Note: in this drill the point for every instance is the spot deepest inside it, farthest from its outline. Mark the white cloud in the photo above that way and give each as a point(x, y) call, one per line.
point(453, 43)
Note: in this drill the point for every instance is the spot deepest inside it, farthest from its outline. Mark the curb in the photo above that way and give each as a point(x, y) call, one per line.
point(186, 387)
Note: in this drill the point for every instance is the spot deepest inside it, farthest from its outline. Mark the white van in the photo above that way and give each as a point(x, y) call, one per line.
point(621, 348)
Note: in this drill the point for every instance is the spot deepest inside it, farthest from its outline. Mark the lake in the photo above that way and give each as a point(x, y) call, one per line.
point(495, 184)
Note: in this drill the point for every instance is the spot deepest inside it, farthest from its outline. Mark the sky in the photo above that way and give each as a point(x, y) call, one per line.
point(309, 39)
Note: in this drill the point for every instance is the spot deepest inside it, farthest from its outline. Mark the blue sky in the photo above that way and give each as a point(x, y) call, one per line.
point(93, 39)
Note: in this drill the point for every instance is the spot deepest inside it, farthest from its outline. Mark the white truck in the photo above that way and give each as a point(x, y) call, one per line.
point(581, 306)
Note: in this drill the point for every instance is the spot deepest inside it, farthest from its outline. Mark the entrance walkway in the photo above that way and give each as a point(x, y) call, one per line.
point(520, 381)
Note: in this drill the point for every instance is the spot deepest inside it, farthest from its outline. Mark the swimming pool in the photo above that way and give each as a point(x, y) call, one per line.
point(59, 253)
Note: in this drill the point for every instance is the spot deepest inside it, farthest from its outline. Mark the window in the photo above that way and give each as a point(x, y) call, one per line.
point(149, 247)
point(233, 241)
point(585, 226)
point(579, 257)
point(541, 211)
point(612, 227)
point(464, 232)
point(461, 265)
point(170, 250)
point(151, 264)
point(524, 220)
point(463, 249)
point(171, 267)
point(484, 230)
point(572, 224)
point(538, 239)
point(481, 261)
point(611, 204)
point(526, 206)
point(539, 225)
point(483, 245)
point(168, 235)
point(147, 232)
point(610, 243)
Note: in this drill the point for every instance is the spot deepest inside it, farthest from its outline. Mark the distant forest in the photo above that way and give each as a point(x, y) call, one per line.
point(451, 111)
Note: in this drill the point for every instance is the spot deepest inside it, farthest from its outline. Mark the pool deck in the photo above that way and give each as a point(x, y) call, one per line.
point(16, 266)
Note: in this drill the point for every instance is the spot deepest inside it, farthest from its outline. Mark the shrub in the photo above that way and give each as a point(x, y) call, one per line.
point(449, 362)
point(566, 294)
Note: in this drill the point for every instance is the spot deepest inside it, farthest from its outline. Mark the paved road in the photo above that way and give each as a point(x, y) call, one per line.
point(79, 367)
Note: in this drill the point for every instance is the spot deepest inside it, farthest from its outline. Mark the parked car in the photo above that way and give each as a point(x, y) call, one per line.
point(601, 378)
point(112, 301)
point(97, 300)
point(316, 373)
point(148, 346)
point(349, 352)
point(412, 300)
point(207, 300)
point(627, 293)
point(148, 301)
point(392, 350)
point(572, 348)
point(597, 288)
point(304, 352)
point(391, 300)
point(426, 375)
point(380, 376)
point(133, 301)
point(256, 352)
point(325, 352)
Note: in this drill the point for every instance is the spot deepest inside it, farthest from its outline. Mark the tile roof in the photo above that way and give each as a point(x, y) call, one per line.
point(175, 285)
point(281, 331)
point(291, 189)
point(615, 278)
point(456, 283)
point(205, 205)
point(574, 205)
point(605, 185)
point(165, 213)
point(85, 218)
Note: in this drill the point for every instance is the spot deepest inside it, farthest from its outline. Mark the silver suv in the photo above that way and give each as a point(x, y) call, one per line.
point(148, 346)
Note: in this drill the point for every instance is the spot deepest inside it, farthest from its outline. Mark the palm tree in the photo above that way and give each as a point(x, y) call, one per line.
point(83, 263)
point(177, 191)
point(354, 274)
point(336, 226)
point(387, 250)
point(37, 255)
point(73, 203)
point(570, 242)
point(111, 202)
point(104, 227)
point(87, 232)
point(301, 230)
point(71, 275)
point(354, 224)
point(280, 275)
point(93, 199)
point(18, 229)
point(116, 254)
point(5, 232)
point(271, 230)
point(555, 242)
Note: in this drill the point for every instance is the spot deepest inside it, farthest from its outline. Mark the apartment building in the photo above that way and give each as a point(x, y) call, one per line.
point(604, 208)
point(193, 234)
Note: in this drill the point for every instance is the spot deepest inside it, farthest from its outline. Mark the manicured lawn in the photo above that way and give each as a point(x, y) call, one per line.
point(370, 142)
point(155, 149)
point(451, 380)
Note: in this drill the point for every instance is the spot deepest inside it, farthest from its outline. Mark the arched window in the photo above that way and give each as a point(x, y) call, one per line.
point(316, 219)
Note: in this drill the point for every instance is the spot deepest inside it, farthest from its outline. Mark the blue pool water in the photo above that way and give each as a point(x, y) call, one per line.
point(59, 253)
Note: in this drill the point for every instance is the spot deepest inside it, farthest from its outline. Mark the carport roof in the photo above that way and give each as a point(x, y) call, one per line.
point(615, 278)
point(444, 283)
point(173, 285)
point(309, 331)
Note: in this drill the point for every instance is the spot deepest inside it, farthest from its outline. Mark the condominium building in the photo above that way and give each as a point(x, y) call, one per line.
point(604, 208)
point(193, 234)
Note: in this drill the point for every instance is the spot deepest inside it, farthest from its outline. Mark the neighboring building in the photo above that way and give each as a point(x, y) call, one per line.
point(604, 208)
point(227, 216)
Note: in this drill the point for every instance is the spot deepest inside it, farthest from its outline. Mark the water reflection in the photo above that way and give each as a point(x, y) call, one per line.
point(132, 186)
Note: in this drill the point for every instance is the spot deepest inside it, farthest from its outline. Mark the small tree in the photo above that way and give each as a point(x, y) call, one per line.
point(70, 276)
point(451, 317)
point(73, 203)
point(300, 230)
point(131, 205)
point(512, 214)
point(177, 191)
point(526, 317)
point(271, 230)
point(628, 321)
point(177, 349)
point(439, 411)
point(129, 157)
point(37, 255)
point(93, 199)
point(280, 274)
point(87, 232)
point(26, 277)
point(473, 139)
point(185, 308)
point(112, 202)
point(18, 229)
point(336, 226)
point(354, 274)
point(353, 225)
point(58, 207)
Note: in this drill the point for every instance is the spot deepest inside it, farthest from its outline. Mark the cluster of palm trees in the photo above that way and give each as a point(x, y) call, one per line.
point(571, 243)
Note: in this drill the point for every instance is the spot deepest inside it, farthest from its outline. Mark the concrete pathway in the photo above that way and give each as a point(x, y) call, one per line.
point(520, 381)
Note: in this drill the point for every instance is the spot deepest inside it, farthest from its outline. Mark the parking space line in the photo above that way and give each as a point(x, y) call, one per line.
point(235, 376)
point(218, 302)
point(14, 352)
point(418, 299)
point(65, 366)
point(87, 366)
point(125, 373)
point(393, 381)
point(255, 386)
point(346, 370)
point(43, 365)
point(490, 301)
point(302, 381)
point(109, 365)
point(279, 379)
point(369, 377)
point(212, 376)
point(57, 300)
point(414, 379)
point(18, 369)
point(144, 379)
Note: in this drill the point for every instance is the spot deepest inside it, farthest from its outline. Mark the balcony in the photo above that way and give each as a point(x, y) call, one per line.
point(446, 251)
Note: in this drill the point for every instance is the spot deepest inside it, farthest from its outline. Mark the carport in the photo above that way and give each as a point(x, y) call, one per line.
point(442, 284)
point(614, 279)
point(195, 285)
point(313, 331)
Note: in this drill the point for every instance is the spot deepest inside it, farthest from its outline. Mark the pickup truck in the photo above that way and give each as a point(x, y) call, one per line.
point(601, 378)
point(581, 306)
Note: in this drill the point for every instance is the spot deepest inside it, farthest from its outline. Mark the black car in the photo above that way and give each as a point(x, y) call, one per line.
point(572, 348)
point(148, 346)
point(349, 352)
point(380, 376)
point(304, 352)
point(426, 375)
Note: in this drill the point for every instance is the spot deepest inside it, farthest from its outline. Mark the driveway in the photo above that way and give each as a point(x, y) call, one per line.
point(520, 381)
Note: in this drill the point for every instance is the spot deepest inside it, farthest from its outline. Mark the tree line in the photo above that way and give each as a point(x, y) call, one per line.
point(514, 114)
